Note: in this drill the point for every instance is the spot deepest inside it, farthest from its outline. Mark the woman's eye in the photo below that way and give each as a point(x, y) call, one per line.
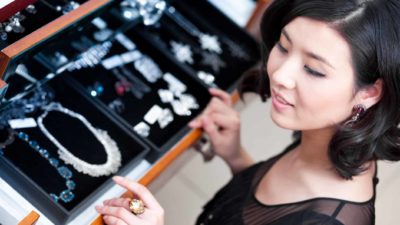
point(281, 48)
point(313, 72)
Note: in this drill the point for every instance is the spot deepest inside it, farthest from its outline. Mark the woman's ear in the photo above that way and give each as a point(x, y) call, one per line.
point(370, 95)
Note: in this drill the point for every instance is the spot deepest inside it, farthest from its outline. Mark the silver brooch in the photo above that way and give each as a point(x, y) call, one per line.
point(182, 52)
point(210, 43)
point(153, 114)
point(142, 129)
point(180, 108)
point(207, 78)
point(165, 118)
point(166, 96)
point(212, 60)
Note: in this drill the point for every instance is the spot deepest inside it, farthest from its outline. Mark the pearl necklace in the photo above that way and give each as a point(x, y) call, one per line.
point(113, 154)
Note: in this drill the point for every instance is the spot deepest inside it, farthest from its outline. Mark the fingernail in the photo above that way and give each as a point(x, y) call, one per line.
point(117, 178)
point(98, 208)
point(192, 123)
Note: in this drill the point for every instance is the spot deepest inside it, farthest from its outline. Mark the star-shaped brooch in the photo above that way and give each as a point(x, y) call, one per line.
point(210, 43)
point(237, 51)
point(182, 52)
point(212, 60)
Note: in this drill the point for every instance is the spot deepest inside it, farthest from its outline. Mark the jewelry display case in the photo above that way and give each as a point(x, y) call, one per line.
point(97, 87)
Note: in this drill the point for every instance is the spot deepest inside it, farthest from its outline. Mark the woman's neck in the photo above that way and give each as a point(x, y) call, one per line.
point(313, 149)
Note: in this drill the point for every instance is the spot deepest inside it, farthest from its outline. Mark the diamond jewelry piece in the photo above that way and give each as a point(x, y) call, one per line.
point(142, 129)
point(182, 52)
point(96, 90)
point(153, 114)
point(180, 108)
point(189, 101)
point(110, 146)
point(237, 51)
point(66, 195)
point(208, 78)
point(174, 85)
point(166, 96)
point(102, 35)
point(3, 33)
point(165, 118)
point(117, 105)
point(129, 9)
point(148, 68)
point(151, 10)
point(90, 58)
point(15, 24)
point(210, 43)
point(70, 6)
point(31, 9)
point(212, 60)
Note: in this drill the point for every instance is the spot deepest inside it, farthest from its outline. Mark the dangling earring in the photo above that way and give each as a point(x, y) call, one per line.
point(358, 111)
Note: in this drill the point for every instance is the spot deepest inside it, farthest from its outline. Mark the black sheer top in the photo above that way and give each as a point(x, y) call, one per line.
point(236, 204)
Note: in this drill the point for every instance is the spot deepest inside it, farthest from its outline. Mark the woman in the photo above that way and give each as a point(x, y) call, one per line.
point(332, 71)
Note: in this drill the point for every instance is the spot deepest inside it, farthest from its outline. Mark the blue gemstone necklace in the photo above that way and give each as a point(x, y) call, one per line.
point(66, 195)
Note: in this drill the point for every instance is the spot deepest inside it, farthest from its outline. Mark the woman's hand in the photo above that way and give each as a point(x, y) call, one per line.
point(116, 211)
point(222, 124)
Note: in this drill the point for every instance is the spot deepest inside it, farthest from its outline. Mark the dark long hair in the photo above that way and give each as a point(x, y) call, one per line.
point(372, 30)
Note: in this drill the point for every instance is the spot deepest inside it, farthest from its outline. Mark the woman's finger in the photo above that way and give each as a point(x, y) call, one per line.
point(112, 220)
point(118, 202)
point(226, 121)
point(217, 105)
point(211, 128)
point(141, 191)
point(224, 96)
point(118, 212)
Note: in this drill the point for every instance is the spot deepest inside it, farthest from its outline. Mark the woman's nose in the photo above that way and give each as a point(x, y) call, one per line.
point(284, 75)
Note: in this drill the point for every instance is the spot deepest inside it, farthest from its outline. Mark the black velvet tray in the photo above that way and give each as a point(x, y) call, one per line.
point(30, 168)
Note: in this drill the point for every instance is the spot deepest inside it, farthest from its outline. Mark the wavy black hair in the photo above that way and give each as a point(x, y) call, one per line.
point(372, 30)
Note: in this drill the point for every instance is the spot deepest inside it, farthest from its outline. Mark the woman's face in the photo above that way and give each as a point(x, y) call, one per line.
point(311, 76)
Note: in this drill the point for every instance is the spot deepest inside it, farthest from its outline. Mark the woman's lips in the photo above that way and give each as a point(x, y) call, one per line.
point(280, 102)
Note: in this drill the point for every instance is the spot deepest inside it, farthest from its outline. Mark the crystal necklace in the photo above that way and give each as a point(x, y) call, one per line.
point(113, 154)
point(66, 195)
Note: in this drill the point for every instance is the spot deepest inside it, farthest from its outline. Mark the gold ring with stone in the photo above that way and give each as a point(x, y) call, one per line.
point(136, 206)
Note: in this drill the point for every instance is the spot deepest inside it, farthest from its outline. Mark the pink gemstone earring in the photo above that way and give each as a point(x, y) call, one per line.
point(358, 111)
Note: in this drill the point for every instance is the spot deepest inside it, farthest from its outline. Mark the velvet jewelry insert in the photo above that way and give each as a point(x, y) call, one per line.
point(36, 163)
point(149, 93)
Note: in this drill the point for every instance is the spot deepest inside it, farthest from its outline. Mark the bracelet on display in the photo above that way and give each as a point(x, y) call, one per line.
point(110, 147)
point(66, 195)
point(90, 58)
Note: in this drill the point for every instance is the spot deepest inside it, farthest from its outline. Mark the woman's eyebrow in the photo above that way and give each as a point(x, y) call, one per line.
point(286, 35)
point(309, 54)
point(319, 58)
